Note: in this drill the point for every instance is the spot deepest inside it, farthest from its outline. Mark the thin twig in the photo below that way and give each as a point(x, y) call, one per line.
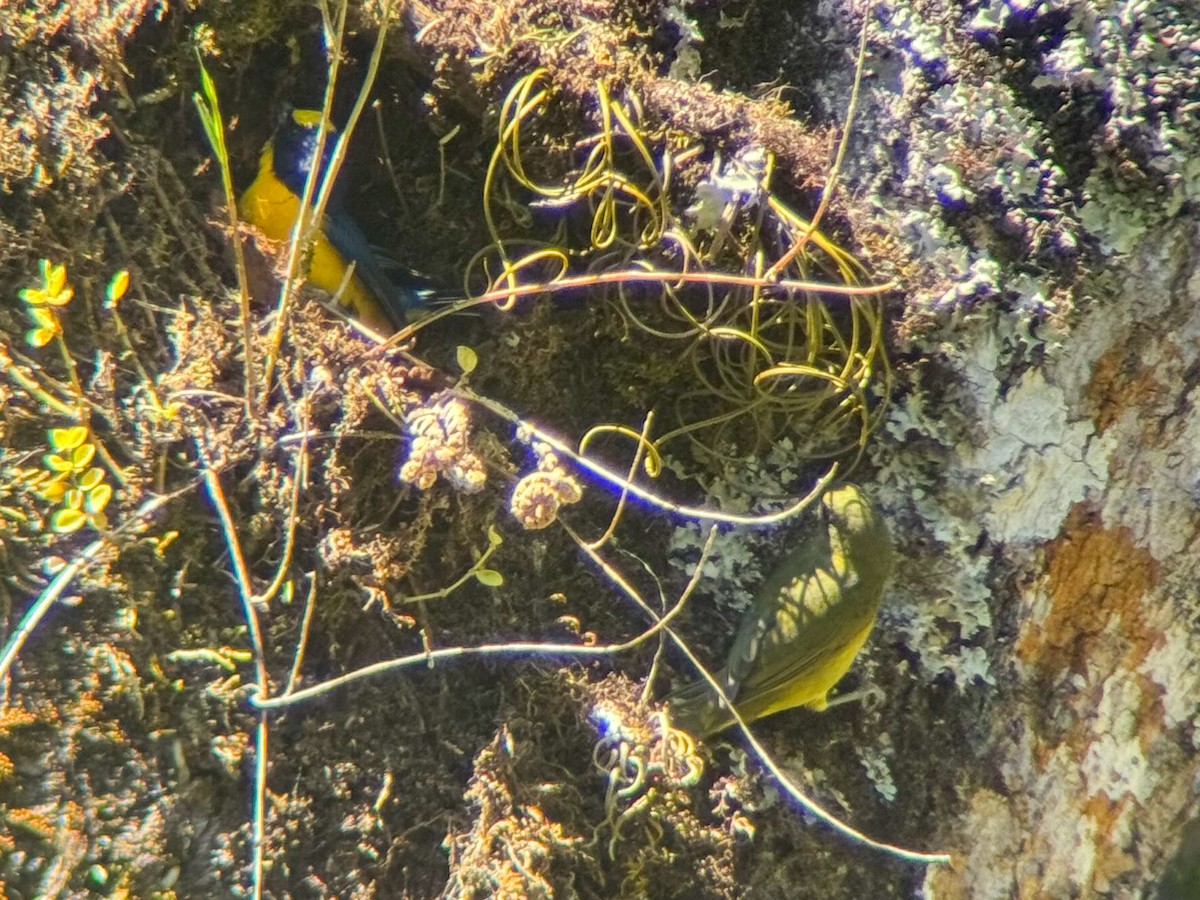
point(693, 583)
point(259, 830)
point(387, 157)
point(216, 494)
point(241, 573)
point(618, 480)
point(449, 589)
point(299, 481)
point(642, 443)
point(504, 297)
point(30, 386)
point(305, 625)
point(513, 648)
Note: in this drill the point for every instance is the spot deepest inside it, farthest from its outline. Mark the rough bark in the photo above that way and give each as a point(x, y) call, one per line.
point(1038, 166)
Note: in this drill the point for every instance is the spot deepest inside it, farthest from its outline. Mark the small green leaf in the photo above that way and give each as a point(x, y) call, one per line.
point(494, 538)
point(468, 359)
point(210, 130)
point(209, 110)
point(489, 577)
point(14, 515)
point(98, 875)
point(117, 287)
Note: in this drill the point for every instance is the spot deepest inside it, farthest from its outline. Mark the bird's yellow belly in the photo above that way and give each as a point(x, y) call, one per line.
point(271, 208)
point(810, 688)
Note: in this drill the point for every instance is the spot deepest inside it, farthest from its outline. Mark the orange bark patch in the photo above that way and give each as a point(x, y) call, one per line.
point(1106, 813)
point(1096, 579)
point(1111, 861)
point(1120, 382)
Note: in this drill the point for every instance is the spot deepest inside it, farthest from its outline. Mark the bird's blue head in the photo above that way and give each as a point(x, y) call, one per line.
point(295, 144)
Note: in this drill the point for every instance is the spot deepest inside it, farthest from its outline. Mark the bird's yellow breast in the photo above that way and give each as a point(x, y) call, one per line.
point(272, 208)
point(810, 688)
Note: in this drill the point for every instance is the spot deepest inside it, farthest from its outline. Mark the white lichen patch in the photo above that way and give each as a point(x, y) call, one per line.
point(1173, 666)
point(875, 761)
point(1080, 859)
point(1060, 459)
point(1115, 763)
point(732, 566)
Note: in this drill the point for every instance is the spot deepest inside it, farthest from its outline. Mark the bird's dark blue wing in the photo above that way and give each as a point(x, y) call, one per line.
point(397, 297)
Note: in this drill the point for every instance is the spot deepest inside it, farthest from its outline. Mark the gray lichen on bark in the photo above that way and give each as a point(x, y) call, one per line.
point(1037, 166)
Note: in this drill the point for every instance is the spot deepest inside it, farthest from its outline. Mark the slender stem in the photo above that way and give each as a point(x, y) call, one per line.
point(616, 479)
point(427, 658)
point(505, 296)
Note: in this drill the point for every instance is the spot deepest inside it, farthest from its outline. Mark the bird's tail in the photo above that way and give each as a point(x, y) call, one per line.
point(696, 709)
point(418, 294)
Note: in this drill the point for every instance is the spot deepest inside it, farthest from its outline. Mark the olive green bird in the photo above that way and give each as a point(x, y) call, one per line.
point(808, 622)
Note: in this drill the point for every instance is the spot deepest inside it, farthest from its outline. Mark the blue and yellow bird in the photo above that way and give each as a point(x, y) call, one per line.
point(272, 204)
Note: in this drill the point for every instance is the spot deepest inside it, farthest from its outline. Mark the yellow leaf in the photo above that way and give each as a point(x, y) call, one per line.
point(55, 490)
point(68, 438)
point(81, 456)
point(162, 543)
point(468, 359)
point(39, 337)
point(65, 521)
point(97, 499)
point(91, 478)
point(56, 463)
point(61, 298)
